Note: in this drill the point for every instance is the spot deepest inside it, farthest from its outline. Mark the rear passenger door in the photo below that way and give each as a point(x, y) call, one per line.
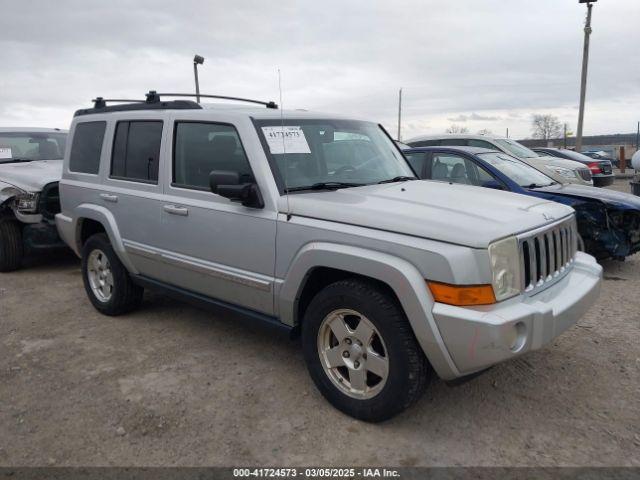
point(211, 245)
point(132, 189)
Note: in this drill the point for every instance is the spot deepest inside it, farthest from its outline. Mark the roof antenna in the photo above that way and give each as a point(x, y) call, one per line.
point(284, 148)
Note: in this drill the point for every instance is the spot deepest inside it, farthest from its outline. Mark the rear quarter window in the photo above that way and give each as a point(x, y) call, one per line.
point(86, 147)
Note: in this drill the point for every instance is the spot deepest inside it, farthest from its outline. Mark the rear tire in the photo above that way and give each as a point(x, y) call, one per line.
point(106, 280)
point(11, 246)
point(361, 351)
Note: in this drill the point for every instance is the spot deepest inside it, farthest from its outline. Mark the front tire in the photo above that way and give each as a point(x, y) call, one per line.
point(11, 246)
point(361, 352)
point(106, 280)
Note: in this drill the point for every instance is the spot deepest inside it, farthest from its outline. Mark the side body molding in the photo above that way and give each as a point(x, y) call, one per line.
point(105, 217)
point(403, 278)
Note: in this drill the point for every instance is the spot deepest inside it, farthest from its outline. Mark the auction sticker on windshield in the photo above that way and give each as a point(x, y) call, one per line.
point(5, 152)
point(286, 139)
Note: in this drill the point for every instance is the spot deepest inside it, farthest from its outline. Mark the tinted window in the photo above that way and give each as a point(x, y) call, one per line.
point(136, 150)
point(201, 148)
point(454, 142)
point(481, 144)
point(87, 147)
point(425, 143)
point(417, 161)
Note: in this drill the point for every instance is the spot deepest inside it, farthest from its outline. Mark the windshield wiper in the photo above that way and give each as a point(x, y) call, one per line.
point(16, 160)
point(535, 185)
point(397, 179)
point(324, 186)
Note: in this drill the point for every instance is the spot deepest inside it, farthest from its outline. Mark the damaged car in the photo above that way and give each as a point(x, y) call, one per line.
point(608, 221)
point(30, 169)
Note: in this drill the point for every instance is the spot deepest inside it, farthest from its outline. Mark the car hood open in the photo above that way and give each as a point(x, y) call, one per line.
point(31, 176)
point(459, 214)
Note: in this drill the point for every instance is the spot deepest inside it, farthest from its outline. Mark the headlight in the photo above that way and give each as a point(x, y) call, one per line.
point(505, 265)
point(27, 202)
point(563, 172)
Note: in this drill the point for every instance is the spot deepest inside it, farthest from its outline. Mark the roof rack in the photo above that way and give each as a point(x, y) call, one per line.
point(155, 96)
point(153, 102)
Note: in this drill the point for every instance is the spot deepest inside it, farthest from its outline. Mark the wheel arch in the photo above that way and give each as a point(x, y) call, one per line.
point(319, 264)
point(91, 219)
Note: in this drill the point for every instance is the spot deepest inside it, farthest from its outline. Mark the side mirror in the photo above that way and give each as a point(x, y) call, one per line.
point(227, 184)
point(496, 185)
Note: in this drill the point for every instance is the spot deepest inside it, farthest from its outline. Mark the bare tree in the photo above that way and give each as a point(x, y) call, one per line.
point(485, 131)
point(546, 127)
point(457, 129)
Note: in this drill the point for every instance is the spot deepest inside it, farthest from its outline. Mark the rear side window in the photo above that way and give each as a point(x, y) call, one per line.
point(481, 144)
point(87, 147)
point(425, 143)
point(201, 148)
point(136, 151)
point(454, 142)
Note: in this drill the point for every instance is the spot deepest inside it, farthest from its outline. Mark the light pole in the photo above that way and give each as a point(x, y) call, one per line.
point(197, 60)
point(399, 113)
point(585, 64)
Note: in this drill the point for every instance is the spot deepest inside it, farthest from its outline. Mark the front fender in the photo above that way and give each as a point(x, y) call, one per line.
point(105, 217)
point(402, 277)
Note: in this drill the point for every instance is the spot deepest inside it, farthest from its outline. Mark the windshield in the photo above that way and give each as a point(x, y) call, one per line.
point(519, 172)
point(330, 153)
point(516, 149)
point(27, 146)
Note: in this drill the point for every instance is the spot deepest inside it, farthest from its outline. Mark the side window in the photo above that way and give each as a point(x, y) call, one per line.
point(456, 169)
point(87, 147)
point(136, 150)
point(454, 142)
point(417, 162)
point(425, 143)
point(200, 148)
point(481, 144)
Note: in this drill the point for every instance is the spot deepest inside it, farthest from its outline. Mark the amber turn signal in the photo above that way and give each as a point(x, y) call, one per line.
point(462, 295)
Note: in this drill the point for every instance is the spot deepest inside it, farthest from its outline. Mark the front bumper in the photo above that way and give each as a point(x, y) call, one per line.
point(479, 337)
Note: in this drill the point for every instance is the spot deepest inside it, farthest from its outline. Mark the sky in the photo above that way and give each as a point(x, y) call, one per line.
point(483, 65)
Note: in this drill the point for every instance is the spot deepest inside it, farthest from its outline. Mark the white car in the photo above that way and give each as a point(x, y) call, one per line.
point(30, 169)
point(564, 171)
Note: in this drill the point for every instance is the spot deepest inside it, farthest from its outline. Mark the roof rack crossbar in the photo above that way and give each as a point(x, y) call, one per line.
point(100, 102)
point(155, 96)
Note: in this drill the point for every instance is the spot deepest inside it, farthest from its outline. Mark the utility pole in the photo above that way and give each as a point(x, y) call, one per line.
point(197, 60)
point(399, 113)
point(507, 132)
point(638, 138)
point(585, 65)
point(565, 136)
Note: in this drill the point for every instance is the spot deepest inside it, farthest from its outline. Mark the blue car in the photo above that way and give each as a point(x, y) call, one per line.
point(608, 221)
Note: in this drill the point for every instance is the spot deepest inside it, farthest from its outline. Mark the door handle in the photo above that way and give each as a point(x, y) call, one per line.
point(175, 210)
point(107, 197)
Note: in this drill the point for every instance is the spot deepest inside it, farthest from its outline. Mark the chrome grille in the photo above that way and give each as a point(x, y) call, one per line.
point(585, 174)
point(546, 254)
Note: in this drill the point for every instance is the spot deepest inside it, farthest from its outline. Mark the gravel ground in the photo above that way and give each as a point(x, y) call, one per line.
point(173, 385)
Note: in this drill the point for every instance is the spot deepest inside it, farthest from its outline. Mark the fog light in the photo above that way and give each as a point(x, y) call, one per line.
point(515, 336)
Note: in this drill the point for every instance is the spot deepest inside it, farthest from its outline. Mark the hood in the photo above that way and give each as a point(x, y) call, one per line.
point(580, 192)
point(460, 214)
point(31, 176)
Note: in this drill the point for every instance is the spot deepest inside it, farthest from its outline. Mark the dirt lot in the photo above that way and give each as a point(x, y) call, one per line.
point(172, 385)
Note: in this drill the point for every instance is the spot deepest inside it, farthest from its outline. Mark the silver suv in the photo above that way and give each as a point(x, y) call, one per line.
point(30, 168)
point(317, 225)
